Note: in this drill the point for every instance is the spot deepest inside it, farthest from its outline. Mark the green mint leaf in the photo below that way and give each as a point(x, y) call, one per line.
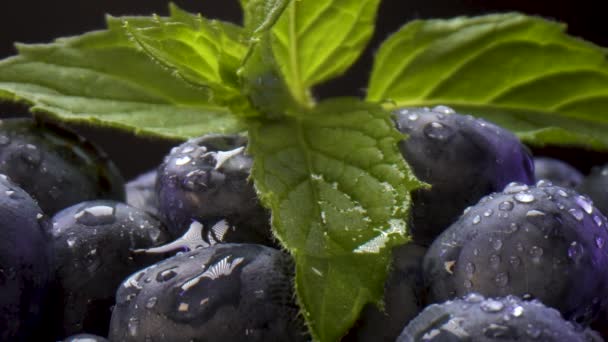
point(260, 15)
point(316, 40)
point(521, 72)
point(204, 52)
point(101, 78)
point(338, 187)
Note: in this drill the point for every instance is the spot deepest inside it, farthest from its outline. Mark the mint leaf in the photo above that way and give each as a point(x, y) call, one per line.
point(260, 15)
point(204, 52)
point(101, 78)
point(338, 189)
point(523, 73)
point(315, 40)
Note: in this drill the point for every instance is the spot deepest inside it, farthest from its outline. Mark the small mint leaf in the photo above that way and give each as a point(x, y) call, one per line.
point(338, 189)
point(316, 40)
point(101, 78)
point(204, 52)
point(523, 73)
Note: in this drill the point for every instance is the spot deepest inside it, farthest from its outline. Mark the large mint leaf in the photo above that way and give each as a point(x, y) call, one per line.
point(338, 189)
point(521, 72)
point(204, 52)
point(101, 78)
point(315, 40)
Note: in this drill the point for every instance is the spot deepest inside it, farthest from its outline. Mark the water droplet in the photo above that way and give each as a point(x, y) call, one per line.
point(469, 268)
point(543, 183)
point(584, 203)
point(502, 279)
point(512, 228)
point(523, 197)
point(562, 193)
point(412, 116)
point(165, 275)
point(491, 305)
point(506, 206)
point(476, 219)
point(438, 131)
point(597, 220)
point(575, 251)
point(497, 244)
point(515, 261)
point(132, 326)
point(577, 214)
point(443, 110)
point(599, 242)
point(96, 215)
point(488, 213)
point(517, 311)
point(536, 253)
point(182, 160)
point(515, 187)
point(71, 241)
point(151, 302)
point(496, 331)
point(187, 149)
point(534, 213)
point(494, 260)
point(473, 298)
point(475, 252)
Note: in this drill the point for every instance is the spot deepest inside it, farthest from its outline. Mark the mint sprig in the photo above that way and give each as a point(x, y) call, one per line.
point(329, 171)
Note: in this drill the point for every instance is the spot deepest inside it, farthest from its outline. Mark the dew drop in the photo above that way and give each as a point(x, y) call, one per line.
point(502, 279)
point(491, 305)
point(599, 242)
point(575, 251)
point(562, 193)
point(584, 203)
point(536, 253)
point(512, 228)
point(496, 331)
point(187, 149)
point(132, 326)
point(473, 298)
point(488, 213)
point(543, 183)
point(497, 244)
point(577, 214)
point(517, 311)
point(597, 220)
point(506, 206)
point(71, 241)
point(534, 213)
point(438, 131)
point(475, 252)
point(443, 110)
point(476, 219)
point(524, 197)
point(165, 275)
point(182, 160)
point(151, 302)
point(97, 215)
point(412, 116)
point(515, 187)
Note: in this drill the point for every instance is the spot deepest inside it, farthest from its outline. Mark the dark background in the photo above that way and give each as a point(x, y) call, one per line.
point(35, 21)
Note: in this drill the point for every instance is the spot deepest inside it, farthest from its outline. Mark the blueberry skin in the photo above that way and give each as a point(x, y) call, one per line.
point(557, 172)
point(543, 242)
point(228, 292)
point(195, 183)
point(475, 318)
point(85, 338)
point(462, 158)
point(55, 166)
point(403, 298)
point(595, 185)
point(141, 192)
point(24, 261)
point(93, 243)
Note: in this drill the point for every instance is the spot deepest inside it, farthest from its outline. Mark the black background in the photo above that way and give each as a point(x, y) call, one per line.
point(36, 21)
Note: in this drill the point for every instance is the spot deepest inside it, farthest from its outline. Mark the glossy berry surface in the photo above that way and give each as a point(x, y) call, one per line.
point(24, 261)
point(207, 179)
point(544, 242)
point(479, 319)
point(141, 192)
point(85, 338)
point(557, 172)
point(228, 292)
point(93, 244)
point(55, 166)
point(462, 158)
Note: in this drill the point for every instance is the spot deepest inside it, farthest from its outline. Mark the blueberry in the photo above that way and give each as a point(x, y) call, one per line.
point(462, 158)
point(595, 185)
point(544, 242)
point(475, 318)
point(85, 338)
point(141, 192)
point(206, 180)
point(403, 298)
point(93, 243)
point(228, 292)
point(55, 166)
point(557, 171)
point(24, 261)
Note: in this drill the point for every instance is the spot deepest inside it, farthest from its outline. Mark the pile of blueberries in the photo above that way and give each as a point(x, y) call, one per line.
point(506, 247)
